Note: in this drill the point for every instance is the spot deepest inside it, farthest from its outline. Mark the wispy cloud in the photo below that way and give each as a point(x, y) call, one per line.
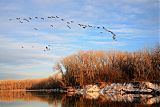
point(27, 62)
point(135, 22)
point(110, 43)
point(26, 55)
point(25, 72)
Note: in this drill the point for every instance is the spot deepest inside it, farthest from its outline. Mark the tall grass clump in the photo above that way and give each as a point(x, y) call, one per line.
point(88, 67)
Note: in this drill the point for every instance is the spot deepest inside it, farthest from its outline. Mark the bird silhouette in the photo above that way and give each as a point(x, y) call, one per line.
point(114, 37)
point(113, 34)
point(62, 19)
point(42, 18)
point(51, 25)
point(20, 21)
point(57, 16)
point(36, 17)
point(69, 27)
point(84, 27)
point(98, 27)
point(26, 19)
point(18, 18)
point(80, 24)
point(47, 48)
point(30, 18)
point(35, 28)
point(68, 22)
point(89, 26)
point(72, 21)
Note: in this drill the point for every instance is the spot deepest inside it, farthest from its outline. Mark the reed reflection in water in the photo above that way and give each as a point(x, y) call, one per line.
point(44, 99)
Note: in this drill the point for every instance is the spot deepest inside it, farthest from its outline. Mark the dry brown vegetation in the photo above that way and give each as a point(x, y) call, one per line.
point(43, 83)
point(16, 84)
point(48, 83)
point(89, 67)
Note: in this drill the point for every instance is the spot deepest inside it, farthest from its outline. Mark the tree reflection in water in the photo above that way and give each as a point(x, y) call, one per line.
point(87, 100)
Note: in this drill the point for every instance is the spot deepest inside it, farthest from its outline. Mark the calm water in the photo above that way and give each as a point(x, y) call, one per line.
point(41, 99)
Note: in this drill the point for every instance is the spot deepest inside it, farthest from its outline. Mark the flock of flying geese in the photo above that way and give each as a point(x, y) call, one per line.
point(47, 48)
point(68, 25)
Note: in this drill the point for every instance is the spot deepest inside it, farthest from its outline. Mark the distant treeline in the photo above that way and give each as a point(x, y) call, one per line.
point(90, 67)
point(43, 83)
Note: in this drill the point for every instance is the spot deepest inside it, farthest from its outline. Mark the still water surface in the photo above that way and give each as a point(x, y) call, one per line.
point(41, 99)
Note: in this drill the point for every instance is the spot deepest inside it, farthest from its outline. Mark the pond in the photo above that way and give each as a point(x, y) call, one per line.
point(45, 99)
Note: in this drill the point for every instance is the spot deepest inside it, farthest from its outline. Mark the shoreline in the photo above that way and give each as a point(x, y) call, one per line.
point(121, 88)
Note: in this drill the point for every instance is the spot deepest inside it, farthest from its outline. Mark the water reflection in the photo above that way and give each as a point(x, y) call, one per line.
point(41, 99)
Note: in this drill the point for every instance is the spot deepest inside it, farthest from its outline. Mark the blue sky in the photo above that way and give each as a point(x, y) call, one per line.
point(135, 22)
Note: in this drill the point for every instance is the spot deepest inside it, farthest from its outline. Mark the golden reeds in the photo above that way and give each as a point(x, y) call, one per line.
point(35, 84)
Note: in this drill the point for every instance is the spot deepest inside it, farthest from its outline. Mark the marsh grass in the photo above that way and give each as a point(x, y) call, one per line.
point(34, 84)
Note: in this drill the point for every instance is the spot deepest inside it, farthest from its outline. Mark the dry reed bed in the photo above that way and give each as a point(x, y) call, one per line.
point(35, 84)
